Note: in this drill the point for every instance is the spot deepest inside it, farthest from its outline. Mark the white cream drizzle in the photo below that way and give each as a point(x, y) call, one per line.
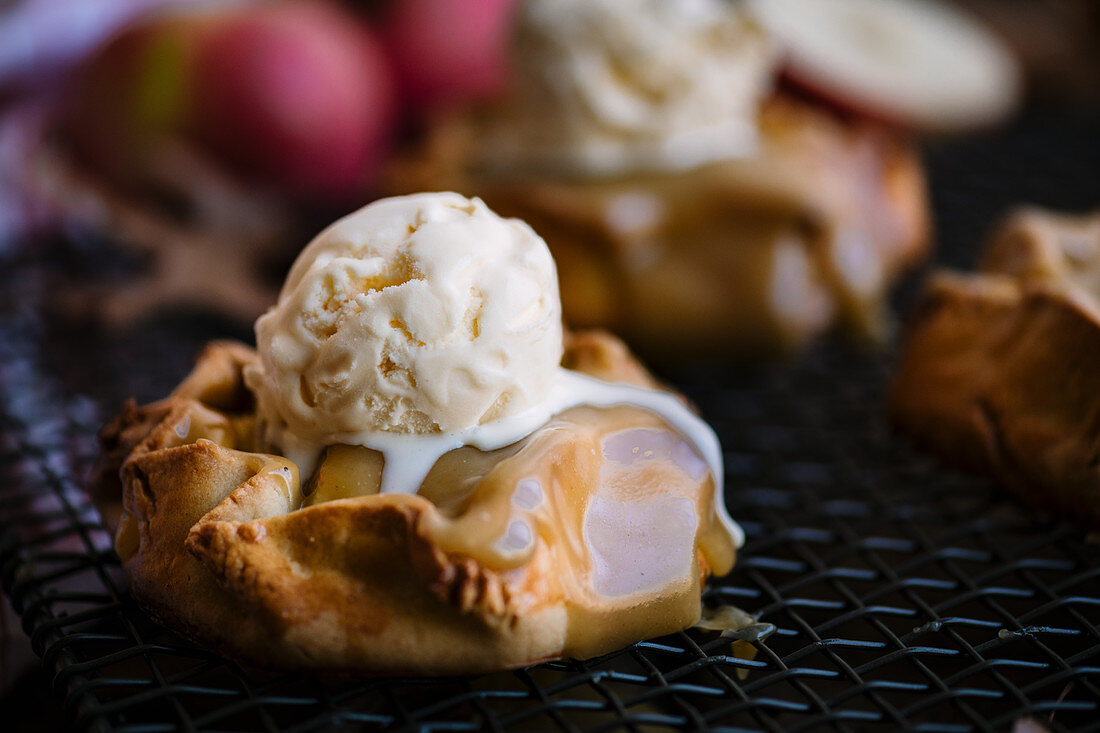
point(409, 457)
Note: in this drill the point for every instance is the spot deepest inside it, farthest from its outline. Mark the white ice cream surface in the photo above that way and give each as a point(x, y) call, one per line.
point(605, 87)
point(415, 314)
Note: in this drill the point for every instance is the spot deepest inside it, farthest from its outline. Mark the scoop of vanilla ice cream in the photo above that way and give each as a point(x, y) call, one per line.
point(416, 314)
point(620, 86)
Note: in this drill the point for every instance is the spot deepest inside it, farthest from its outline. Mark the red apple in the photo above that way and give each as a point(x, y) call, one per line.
point(449, 51)
point(298, 93)
point(295, 95)
point(129, 94)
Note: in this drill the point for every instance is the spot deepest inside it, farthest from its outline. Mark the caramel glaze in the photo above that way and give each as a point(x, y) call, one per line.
point(617, 503)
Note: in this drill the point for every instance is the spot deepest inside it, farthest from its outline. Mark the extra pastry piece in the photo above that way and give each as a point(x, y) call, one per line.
point(403, 479)
point(1001, 370)
point(686, 206)
point(1062, 250)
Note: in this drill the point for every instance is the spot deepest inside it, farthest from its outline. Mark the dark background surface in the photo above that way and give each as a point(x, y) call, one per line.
point(901, 592)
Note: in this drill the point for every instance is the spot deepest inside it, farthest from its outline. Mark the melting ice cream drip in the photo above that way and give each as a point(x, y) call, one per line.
point(409, 457)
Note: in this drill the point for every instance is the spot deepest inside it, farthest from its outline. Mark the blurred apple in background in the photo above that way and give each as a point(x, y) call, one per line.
point(129, 96)
point(297, 92)
point(448, 52)
point(294, 95)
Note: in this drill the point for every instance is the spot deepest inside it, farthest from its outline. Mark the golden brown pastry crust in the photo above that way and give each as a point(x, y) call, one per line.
point(1001, 371)
point(215, 545)
point(753, 255)
point(215, 381)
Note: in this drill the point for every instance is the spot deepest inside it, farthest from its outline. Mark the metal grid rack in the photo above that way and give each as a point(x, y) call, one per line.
point(902, 595)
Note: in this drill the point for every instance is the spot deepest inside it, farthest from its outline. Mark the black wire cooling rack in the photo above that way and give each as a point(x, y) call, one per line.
point(902, 594)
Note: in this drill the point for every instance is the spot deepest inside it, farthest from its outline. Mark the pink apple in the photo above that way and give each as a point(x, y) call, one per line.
point(128, 95)
point(298, 93)
point(449, 51)
point(295, 95)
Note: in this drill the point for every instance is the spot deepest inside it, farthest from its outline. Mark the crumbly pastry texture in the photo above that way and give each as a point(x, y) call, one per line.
point(228, 545)
point(1000, 370)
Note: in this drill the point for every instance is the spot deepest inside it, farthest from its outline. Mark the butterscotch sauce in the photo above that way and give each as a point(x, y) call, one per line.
point(494, 504)
point(622, 504)
point(409, 458)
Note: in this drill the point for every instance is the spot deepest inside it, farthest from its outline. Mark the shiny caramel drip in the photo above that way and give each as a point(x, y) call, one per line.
point(621, 503)
point(590, 483)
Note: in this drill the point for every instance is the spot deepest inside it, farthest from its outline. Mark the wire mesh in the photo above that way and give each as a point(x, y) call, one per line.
point(902, 594)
